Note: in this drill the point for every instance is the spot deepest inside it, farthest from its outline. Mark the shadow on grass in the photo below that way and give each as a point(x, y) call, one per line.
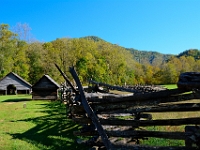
point(53, 131)
point(17, 100)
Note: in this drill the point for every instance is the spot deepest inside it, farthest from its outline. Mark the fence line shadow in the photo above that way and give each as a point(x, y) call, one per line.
point(17, 100)
point(53, 131)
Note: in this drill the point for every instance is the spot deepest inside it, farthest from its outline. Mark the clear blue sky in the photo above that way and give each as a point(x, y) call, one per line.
point(165, 26)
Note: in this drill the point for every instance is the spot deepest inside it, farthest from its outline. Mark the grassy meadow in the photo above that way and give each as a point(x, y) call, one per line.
point(35, 125)
point(170, 86)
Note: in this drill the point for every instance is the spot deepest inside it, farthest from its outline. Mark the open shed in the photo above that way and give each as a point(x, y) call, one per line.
point(14, 84)
point(45, 88)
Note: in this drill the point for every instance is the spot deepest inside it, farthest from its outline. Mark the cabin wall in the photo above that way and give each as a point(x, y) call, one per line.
point(5, 92)
point(46, 94)
point(2, 92)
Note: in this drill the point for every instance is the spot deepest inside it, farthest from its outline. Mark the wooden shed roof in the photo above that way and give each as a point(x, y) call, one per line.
point(48, 78)
point(12, 78)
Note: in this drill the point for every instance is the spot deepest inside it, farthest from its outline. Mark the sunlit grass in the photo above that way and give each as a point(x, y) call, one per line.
point(35, 125)
point(170, 86)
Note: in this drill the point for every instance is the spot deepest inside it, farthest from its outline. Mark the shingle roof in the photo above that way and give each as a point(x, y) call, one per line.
point(12, 78)
point(49, 78)
point(20, 78)
point(12, 73)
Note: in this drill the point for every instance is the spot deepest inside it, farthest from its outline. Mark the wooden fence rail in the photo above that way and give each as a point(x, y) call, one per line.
point(109, 117)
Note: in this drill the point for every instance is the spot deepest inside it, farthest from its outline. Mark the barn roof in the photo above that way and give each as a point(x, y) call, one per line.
point(49, 79)
point(12, 78)
point(20, 78)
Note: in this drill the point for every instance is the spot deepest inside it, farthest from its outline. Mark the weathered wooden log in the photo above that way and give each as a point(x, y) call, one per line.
point(106, 107)
point(66, 79)
point(141, 134)
point(189, 80)
point(140, 123)
point(105, 95)
point(161, 108)
point(194, 139)
point(124, 145)
point(82, 120)
point(156, 134)
point(135, 116)
point(90, 112)
point(140, 147)
point(133, 89)
point(147, 88)
point(121, 144)
point(119, 88)
point(142, 97)
point(77, 109)
point(172, 108)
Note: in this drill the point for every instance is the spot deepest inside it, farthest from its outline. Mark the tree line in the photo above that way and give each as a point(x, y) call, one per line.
point(92, 58)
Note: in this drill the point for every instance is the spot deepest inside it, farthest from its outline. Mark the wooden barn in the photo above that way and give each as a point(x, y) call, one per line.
point(14, 84)
point(45, 88)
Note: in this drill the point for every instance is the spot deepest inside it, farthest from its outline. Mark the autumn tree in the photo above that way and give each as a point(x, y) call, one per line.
point(36, 70)
point(7, 44)
point(20, 59)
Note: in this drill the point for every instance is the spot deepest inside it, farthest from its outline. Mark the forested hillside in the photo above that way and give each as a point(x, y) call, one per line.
point(191, 52)
point(92, 57)
point(142, 57)
point(146, 57)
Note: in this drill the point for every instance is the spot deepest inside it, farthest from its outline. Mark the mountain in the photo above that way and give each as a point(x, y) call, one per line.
point(143, 57)
point(191, 52)
point(94, 38)
point(151, 57)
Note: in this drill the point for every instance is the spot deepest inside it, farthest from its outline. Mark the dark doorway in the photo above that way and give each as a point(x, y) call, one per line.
point(11, 89)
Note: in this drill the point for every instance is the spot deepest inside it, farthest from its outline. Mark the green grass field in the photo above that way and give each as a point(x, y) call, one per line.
point(170, 86)
point(42, 125)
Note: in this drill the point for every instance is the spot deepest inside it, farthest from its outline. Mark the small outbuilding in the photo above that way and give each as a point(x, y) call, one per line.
point(14, 84)
point(45, 88)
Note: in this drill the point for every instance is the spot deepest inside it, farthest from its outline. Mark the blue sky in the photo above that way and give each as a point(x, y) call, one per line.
point(165, 26)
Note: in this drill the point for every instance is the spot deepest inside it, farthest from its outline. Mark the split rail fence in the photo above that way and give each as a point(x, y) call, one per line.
point(120, 121)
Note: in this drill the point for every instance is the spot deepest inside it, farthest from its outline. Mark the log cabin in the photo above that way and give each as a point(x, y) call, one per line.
point(14, 84)
point(45, 89)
